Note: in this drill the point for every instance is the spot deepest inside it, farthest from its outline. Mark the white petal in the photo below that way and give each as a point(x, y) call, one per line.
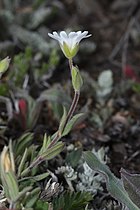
point(70, 39)
point(63, 35)
point(72, 35)
point(54, 36)
point(79, 32)
point(85, 33)
point(82, 36)
point(67, 39)
point(51, 35)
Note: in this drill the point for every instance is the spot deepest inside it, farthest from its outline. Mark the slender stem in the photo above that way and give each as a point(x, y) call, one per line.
point(70, 114)
point(70, 64)
point(73, 107)
point(71, 110)
point(56, 138)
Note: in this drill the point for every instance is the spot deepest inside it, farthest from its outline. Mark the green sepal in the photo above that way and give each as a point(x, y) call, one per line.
point(68, 52)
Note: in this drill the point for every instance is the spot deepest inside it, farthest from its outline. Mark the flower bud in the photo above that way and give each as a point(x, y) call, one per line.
point(77, 81)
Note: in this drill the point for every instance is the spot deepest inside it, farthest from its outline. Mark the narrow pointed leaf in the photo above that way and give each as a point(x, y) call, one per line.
point(11, 156)
point(22, 143)
point(53, 151)
point(41, 176)
point(63, 120)
point(22, 193)
point(12, 185)
point(46, 142)
point(22, 162)
point(72, 123)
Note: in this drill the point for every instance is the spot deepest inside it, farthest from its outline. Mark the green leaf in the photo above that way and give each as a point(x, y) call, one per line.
point(12, 185)
point(114, 185)
point(40, 205)
point(72, 201)
point(105, 79)
point(53, 151)
point(74, 157)
point(22, 143)
point(12, 159)
point(25, 191)
point(46, 142)
point(136, 87)
point(75, 119)
point(31, 197)
point(132, 185)
point(22, 162)
point(4, 64)
point(41, 176)
point(32, 201)
point(20, 69)
point(34, 108)
point(63, 120)
point(4, 89)
point(46, 155)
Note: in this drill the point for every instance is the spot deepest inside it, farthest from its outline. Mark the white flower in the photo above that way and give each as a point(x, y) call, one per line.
point(69, 43)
